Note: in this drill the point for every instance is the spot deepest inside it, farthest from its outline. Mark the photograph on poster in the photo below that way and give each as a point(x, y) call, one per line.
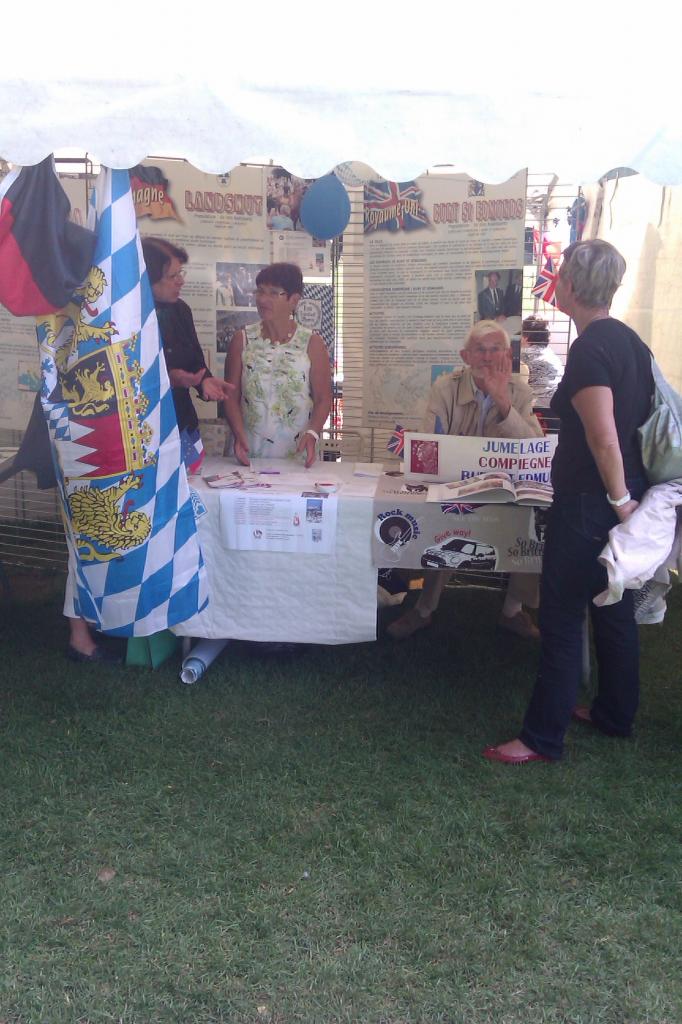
point(236, 281)
point(226, 324)
point(424, 457)
point(224, 289)
point(283, 195)
point(313, 510)
point(499, 293)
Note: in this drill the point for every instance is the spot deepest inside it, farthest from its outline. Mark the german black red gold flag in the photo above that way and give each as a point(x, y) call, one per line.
point(43, 256)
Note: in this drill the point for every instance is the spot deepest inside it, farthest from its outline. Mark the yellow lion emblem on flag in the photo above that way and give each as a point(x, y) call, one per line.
point(72, 315)
point(98, 520)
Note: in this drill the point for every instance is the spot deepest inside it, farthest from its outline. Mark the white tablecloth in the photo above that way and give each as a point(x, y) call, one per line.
point(297, 598)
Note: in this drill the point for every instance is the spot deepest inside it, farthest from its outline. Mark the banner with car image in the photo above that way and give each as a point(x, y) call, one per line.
point(411, 533)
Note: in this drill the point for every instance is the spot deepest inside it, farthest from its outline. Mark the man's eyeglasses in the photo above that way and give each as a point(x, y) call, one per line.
point(180, 275)
point(270, 293)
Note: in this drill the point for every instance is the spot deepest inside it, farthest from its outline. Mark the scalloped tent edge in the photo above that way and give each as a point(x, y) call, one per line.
point(398, 134)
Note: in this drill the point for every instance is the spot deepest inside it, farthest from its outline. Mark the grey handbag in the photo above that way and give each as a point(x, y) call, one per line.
point(660, 436)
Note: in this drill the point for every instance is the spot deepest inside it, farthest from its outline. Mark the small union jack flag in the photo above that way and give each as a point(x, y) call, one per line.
point(394, 206)
point(545, 285)
point(396, 442)
point(191, 449)
point(457, 508)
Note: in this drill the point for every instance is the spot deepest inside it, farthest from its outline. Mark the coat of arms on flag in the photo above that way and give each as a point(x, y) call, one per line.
point(110, 414)
point(396, 442)
point(394, 206)
point(545, 285)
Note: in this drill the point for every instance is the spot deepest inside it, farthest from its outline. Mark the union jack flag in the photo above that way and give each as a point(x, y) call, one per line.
point(396, 442)
point(191, 450)
point(545, 285)
point(457, 508)
point(394, 206)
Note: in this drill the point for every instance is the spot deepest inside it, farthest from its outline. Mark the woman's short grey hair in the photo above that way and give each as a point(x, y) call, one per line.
point(595, 269)
point(483, 327)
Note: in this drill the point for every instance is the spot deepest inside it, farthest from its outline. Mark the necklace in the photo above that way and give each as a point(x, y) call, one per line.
point(288, 334)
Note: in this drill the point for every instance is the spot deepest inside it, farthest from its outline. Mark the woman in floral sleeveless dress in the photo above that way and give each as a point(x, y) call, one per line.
point(281, 375)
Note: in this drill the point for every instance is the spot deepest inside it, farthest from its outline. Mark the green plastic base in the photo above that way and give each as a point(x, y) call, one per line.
point(152, 651)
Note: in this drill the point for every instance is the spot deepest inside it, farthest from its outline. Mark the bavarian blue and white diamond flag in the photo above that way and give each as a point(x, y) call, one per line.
point(110, 414)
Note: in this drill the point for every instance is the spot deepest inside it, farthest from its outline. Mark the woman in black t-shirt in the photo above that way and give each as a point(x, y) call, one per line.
point(183, 354)
point(598, 479)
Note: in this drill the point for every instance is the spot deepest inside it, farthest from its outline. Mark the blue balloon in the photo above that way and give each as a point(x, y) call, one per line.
point(325, 207)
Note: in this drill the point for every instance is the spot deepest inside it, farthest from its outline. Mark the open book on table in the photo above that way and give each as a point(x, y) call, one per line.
point(235, 479)
point(492, 487)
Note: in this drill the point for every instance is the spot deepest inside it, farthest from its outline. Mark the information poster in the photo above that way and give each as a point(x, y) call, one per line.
point(303, 523)
point(440, 253)
point(221, 220)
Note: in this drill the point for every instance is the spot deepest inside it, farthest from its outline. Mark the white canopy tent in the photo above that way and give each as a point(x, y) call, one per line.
point(576, 91)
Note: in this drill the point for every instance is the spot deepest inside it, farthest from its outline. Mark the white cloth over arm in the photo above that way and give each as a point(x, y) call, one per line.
point(643, 545)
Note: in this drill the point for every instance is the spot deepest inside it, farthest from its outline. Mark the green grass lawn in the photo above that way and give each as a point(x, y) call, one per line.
point(316, 838)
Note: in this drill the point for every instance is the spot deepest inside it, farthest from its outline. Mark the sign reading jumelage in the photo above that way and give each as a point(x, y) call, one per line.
point(438, 458)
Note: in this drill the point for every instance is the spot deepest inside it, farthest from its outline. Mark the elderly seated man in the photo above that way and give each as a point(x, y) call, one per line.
point(481, 400)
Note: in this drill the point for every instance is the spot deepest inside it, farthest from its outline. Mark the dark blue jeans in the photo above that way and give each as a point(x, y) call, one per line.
point(577, 531)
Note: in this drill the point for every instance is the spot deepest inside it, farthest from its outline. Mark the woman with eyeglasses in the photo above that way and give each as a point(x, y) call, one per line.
point(281, 375)
point(184, 356)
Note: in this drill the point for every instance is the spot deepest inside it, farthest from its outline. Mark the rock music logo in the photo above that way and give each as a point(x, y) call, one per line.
point(394, 206)
point(396, 528)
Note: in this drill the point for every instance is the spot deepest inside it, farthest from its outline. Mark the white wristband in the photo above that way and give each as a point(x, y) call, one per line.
point(313, 433)
point(621, 501)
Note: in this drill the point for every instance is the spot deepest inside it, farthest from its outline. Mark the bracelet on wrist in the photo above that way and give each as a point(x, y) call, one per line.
point(313, 433)
point(617, 502)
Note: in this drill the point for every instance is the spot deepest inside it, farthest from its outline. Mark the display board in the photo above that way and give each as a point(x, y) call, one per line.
point(231, 225)
point(221, 220)
point(440, 253)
